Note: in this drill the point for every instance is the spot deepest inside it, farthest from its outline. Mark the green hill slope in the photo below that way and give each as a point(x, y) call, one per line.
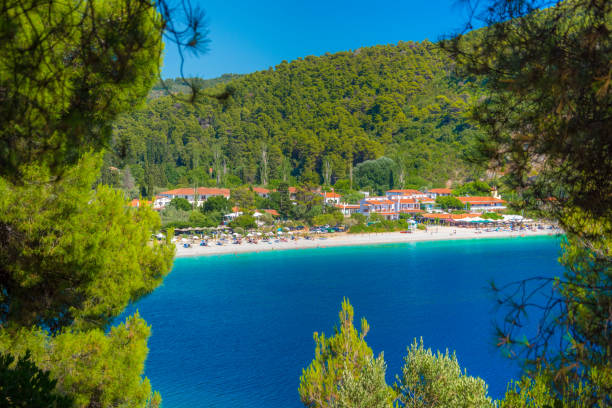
point(316, 118)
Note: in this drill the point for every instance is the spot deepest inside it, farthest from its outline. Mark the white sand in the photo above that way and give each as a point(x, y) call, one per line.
point(333, 240)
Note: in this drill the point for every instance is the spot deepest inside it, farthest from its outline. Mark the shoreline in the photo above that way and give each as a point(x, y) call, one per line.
point(337, 240)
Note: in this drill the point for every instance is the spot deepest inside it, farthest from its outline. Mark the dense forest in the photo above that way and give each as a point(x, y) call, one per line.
point(316, 120)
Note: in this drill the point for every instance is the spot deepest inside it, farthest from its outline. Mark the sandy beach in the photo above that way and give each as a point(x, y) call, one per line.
point(333, 240)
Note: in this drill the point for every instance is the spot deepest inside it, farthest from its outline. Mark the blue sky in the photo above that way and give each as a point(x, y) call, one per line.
point(248, 36)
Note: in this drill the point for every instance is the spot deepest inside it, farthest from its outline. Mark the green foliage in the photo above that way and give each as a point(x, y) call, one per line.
point(381, 225)
point(22, 384)
point(360, 218)
point(243, 197)
point(71, 255)
point(449, 202)
point(352, 197)
point(59, 97)
point(528, 393)
point(216, 203)
point(267, 218)
point(331, 219)
point(197, 219)
point(492, 216)
point(432, 381)
point(376, 175)
point(283, 199)
point(421, 227)
point(366, 388)
point(343, 355)
point(93, 367)
point(342, 185)
point(180, 204)
point(184, 85)
point(317, 116)
point(244, 221)
point(547, 119)
point(473, 188)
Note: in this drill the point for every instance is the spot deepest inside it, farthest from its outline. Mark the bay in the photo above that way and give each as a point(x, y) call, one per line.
point(237, 330)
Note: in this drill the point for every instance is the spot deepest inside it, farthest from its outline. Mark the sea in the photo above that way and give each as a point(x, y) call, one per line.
point(237, 330)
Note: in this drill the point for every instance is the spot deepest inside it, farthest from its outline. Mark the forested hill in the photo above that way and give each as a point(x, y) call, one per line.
point(314, 119)
point(177, 86)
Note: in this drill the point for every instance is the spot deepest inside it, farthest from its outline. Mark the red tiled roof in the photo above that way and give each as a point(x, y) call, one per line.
point(330, 194)
point(440, 190)
point(480, 200)
point(272, 212)
point(201, 191)
point(373, 201)
point(406, 201)
point(179, 191)
point(213, 191)
point(261, 190)
point(426, 200)
point(292, 190)
point(346, 205)
point(137, 203)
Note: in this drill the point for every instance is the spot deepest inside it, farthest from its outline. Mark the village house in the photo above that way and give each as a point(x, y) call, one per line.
point(348, 209)
point(292, 193)
point(262, 192)
point(160, 202)
point(330, 197)
point(378, 205)
point(137, 203)
point(427, 203)
point(482, 204)
point(190, 194)
point(439, 192)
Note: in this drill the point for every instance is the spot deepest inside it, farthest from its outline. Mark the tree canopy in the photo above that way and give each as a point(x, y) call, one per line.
point(546, 112)
point(317, 117)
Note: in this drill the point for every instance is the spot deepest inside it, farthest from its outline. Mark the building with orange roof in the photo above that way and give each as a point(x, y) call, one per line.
point(378, 205)
point(197, 196)
point(426, 203)
point(272, 212)
point(292, 192)
point(262, 192)
point(439, 192)
point(483, 204)
point(138, 203)
point(330, 197)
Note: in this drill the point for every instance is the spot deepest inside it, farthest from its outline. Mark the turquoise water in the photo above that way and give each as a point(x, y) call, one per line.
point(237, 330)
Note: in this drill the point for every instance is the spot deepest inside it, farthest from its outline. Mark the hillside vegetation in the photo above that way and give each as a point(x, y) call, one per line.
point(312, 120)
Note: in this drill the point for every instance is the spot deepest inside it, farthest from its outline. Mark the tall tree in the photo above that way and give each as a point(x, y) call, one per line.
point(71, 256)
point(547, 115)
point(346, 350)
point(264, 164)
point(436, 381)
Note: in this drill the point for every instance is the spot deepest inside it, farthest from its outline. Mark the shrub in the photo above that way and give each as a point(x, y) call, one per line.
point(180, 204)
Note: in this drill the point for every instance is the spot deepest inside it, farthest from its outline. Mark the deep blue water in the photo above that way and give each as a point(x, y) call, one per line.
point(237, 330)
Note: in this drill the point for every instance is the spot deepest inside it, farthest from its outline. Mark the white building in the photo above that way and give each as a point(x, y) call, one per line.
point(483, 204)
point(190, 194)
